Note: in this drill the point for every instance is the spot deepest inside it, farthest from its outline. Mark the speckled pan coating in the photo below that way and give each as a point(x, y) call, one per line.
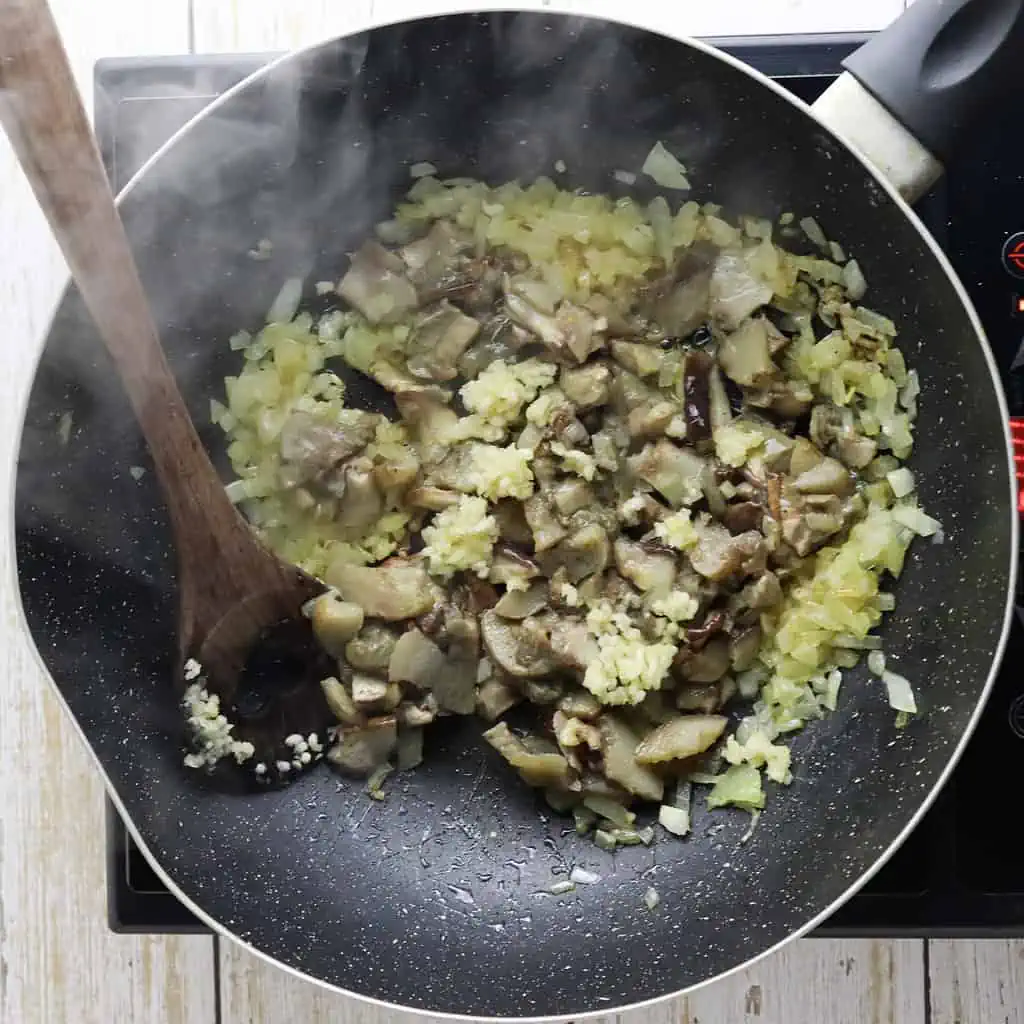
point(435, 899)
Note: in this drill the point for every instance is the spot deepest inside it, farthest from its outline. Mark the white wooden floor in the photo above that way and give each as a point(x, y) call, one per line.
point(58, 962)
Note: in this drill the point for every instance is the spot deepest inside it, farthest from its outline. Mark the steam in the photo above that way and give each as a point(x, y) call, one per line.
point(310, 155)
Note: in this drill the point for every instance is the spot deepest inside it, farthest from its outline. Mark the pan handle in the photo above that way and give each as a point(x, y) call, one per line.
point(909, 94)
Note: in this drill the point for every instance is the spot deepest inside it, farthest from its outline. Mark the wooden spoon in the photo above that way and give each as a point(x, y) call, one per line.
point(231, 587)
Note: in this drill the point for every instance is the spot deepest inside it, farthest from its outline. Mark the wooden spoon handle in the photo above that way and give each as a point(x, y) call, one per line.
point(42, 112)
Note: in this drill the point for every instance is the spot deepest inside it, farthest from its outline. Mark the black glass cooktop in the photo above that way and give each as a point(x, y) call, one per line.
point(961, 873)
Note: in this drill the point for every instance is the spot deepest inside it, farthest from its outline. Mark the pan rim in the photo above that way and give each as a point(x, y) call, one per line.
point(761, 79)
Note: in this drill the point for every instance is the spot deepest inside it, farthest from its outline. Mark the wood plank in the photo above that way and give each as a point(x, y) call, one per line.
point(58, 961)
point(977, 982)
point(813, 981)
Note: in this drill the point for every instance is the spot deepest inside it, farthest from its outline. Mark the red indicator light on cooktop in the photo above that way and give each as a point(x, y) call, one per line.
point(1013, 254)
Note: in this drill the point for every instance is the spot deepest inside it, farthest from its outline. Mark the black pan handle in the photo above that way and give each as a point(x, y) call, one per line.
point(937, 66)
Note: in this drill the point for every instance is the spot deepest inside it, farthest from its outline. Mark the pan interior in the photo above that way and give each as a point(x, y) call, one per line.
point(438, 898)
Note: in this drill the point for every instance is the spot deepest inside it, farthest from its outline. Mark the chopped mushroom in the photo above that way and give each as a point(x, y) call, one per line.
point(681, 737)
point(651, 567)
point(519, 604)
point(514, 650)
point(707, 665)
point(398, 589)
point(718, 555)
point(676, 473)
point(371, 650)
point(315, 447)
point(340, 701)
point(537, 760)
point(579, 331)
point(547, 530)
point(643, 360)
point(572, 644)
point(586, 386)
point(584, 553)
point(335, 622)
point(377, 286)
point(361, 749)
point(619, 744)
point(416, 659)
point(361, 502)
point(438, 341)
point(679, 302)
point(495, 697)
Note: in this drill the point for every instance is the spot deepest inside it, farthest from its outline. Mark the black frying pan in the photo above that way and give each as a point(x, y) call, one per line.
point(430, 899)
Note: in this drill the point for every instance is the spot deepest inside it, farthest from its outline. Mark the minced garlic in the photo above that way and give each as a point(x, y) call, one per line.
point(460, 537)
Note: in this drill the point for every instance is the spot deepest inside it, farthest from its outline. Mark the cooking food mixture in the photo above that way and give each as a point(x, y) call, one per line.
point(634, 509)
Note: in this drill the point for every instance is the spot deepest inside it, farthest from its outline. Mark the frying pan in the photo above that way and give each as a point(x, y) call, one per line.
point(437, 898)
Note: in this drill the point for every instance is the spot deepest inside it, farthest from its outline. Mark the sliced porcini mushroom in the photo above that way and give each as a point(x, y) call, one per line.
point(745, 356)
point(586, 386)
point(495, 697)
point(428, 257)
point(367, 690)
point(641, 508)
point(545, 327)
point(761, 594)
point(855, 450)
point(697, 637)
point(362, 748)
point(743, 647)
point(513, 650)
point(571, 733)
point(571, 643)
point(681, 737)
point(719, 556)
point(340, 701)
point(828, 476)
point(455, 687)
point(679, 301)
point(499, 339)
point(314, 447)
point(566, 428)
point(371, 650)
point(580, 704)
point(628, 391)
point(538, 761)
point(618, 747)
point(437, 342)
point(703, 697)
point(707, 665)
point(544, 525)
point(435, 499)
point(416, 714)
point(361, 503)
point(416, 659)
point(651, 569)
point(511, 520)
point(743, 516)
point(376, 285)
point(398, 589)
point(335, 622)
point(697, 396)
point(585, 552)
point(643, 360)
point(579, 330)
point(433, 423)
point(803, 457)
point(512, 569)
point(520, 604)
point(735, 292)
point(651, 419)
point(572, 494)
point(675, 473)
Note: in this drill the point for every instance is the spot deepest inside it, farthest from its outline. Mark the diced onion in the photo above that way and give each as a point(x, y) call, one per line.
point(286, 305)
point(901, 695)
point(422, 170)
point(812, 229)
point(583, 877)
point(665, 169)
point(876, 663)
point(901, 481)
